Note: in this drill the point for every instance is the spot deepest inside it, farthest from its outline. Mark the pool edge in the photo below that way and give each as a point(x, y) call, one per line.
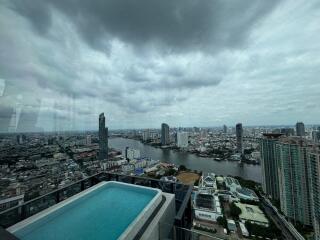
point(130, 231)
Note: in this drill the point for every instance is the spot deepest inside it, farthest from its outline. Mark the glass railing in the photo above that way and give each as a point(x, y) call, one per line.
point(184, 233)
point(182, 194)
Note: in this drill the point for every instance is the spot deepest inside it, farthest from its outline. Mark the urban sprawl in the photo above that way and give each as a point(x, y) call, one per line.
point(229, 207)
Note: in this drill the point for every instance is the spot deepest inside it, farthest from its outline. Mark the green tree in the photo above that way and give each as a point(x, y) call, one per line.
point(182, 168)
point(171, 172)
point(222, 221)
point(235, 211)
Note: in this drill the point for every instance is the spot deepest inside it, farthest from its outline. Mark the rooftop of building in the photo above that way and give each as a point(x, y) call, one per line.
point(181, 193)
point(230, 181)
point(252, 213)
point(272, 135)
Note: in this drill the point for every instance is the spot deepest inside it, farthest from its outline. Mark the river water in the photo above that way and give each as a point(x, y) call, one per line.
point(191, 161)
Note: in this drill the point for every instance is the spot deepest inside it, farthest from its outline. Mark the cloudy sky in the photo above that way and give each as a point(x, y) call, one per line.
point(144, 62)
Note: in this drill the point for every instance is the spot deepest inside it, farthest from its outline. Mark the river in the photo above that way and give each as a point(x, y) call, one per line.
point(191, 161)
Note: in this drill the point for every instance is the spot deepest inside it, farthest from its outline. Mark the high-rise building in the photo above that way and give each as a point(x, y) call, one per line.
point(287, 131)
point(314, 176)
point(269, 165)
point(239, 136)
point(182, 139)
point(146, 135)
point(225, 129)
point(165, 137)
point(103, 138)
point(295, 199)
point(300, 130)
point(315, 136)
point(88, 140)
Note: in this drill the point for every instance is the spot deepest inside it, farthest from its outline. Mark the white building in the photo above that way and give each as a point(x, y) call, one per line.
point(244, 230)
point(146, 135)
point(11, 202)
point(139, 163)
point(88, 140)
point(109, 164)
point(127, 168)
point(208, 183)
point(131, 153)
point(207, 206)
point(182, 139)
point(45, 162)
point(232, 184)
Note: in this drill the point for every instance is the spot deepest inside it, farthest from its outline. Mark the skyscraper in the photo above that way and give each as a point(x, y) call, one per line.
point(287, 131)
point(225, 129)
point(269, 165)
point(300, 130)
point(165, 138)
point(239, 136)
point(314, 175)
point(295, 199)
point(146, 135)
point(103, 138)
point(182, 139)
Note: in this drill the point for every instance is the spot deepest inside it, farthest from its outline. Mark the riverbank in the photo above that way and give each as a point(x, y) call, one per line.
point(217, 156)
point(191, 161)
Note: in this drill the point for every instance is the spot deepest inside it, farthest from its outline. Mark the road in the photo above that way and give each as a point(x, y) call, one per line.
point(288, 231)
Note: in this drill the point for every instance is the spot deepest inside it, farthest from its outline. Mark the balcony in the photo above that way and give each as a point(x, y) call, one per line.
point(176, 229)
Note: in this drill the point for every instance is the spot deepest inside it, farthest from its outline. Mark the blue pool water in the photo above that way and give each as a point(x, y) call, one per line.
point(104, 213)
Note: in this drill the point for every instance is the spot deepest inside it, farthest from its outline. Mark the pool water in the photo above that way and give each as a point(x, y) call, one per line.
point(104, 213)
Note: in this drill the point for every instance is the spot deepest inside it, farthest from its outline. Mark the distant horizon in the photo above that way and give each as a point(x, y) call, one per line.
point(171, 127)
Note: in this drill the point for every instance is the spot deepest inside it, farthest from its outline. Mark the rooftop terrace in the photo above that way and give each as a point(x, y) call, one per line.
point(182, 198)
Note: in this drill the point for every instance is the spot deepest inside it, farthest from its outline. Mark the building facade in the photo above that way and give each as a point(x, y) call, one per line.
point(182, 139)
point(295, 199)
point(269, 165)
point(300, 130)
point(103, 137)
point(239, 136)
point(165, 137)
point(131, 153)
point(146, 135)
point(225, 129)
point(314, 177)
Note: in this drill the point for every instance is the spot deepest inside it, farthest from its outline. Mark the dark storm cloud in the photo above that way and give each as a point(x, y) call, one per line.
point(179, 25)
point(143, 61)
point(36, 11)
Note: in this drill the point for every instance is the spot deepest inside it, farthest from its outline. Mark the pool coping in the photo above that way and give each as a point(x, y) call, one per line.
point(129, 233)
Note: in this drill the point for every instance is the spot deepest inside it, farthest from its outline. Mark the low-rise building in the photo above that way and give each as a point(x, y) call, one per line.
point(232, 225)
point(232, 184)
point(207, 206)
point(246, 194)
point(208, 183)
point(11, 202)
point(244, 230)
point(252, 214)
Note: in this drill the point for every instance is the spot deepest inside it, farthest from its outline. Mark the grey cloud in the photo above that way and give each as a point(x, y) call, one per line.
point(36, 11)
point(179, 25)
point(219, 60)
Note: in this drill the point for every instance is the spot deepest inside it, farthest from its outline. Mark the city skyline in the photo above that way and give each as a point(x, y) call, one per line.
point(207, 69)
point(96, 129)
point(159, 119)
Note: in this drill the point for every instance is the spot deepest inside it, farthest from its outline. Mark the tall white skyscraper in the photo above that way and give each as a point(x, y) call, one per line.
point(182, 139)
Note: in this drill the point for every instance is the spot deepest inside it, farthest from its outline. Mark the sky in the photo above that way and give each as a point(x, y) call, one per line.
point(144, 62)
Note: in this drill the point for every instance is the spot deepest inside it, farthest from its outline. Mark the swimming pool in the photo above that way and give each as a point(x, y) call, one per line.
point(109, 210)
